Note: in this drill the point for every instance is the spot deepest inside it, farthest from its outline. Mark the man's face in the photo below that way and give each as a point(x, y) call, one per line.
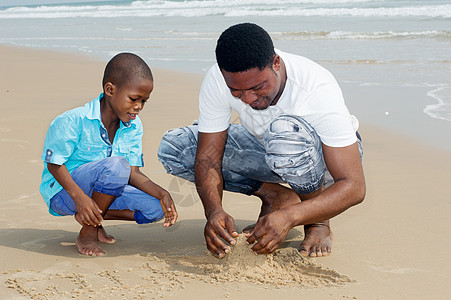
point(257, 88)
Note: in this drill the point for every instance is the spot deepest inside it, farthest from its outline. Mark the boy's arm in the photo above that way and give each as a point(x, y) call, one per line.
point(87, 209)
point(142, 182)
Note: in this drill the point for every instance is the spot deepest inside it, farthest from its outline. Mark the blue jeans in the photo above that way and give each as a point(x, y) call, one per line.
point(110, 176)
point(291, 153)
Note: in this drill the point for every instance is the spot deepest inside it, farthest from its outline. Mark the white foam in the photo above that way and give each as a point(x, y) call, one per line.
point(232, 8)
point(441, 109)
point(337, 35)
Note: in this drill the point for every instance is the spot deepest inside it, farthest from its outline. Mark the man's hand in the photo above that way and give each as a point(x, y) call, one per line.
point(88, 213)
point(220, 224)
point(270, 231)
point(170, 213)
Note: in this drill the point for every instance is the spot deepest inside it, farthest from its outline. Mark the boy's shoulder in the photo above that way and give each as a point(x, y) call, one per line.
point(77, 113)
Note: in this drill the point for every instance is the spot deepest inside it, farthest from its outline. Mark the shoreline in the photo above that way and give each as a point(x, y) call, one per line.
point(383, 245)
point(378, 106)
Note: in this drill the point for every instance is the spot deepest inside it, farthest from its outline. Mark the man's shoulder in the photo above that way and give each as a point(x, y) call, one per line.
point(213, 83)
point(213, 73)
point(304, 71)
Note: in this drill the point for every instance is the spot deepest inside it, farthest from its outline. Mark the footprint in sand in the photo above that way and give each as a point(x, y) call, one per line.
point(38, 244)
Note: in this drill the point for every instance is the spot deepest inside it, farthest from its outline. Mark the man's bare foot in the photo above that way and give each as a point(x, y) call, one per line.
point(103, 237)
point(87, 242)
point(249, 228)
point(317, 241)
point(274, 197)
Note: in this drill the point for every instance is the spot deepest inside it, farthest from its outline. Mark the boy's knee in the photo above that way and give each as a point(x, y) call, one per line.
point(118, 165)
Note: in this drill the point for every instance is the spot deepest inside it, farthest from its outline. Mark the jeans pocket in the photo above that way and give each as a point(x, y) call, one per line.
point(277, 161)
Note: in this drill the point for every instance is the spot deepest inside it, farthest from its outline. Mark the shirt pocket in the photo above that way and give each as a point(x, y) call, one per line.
point(125, 150)
point(90, 152)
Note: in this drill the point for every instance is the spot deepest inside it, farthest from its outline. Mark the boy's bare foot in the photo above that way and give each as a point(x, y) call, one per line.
point(317, 241)
point(103, 237)
point(77, 218)
point(87, 242)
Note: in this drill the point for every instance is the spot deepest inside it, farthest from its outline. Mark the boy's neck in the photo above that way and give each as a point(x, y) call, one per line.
point(109, 118)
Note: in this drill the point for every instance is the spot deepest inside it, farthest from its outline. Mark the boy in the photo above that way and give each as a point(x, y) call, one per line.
point(92, 156)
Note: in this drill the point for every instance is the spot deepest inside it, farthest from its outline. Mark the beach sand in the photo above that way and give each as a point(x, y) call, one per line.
point(392, 246)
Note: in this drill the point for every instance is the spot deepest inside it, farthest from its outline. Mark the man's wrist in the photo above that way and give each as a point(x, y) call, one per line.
point(211, 211)
point(293, 215)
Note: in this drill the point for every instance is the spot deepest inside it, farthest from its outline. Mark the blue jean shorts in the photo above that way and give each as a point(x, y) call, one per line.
point(291, 153)
point(110, 176)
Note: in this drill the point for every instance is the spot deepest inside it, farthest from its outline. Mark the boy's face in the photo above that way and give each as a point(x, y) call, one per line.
point(128, 100)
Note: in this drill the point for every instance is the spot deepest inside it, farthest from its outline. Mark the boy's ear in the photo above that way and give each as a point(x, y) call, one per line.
point(109, 89)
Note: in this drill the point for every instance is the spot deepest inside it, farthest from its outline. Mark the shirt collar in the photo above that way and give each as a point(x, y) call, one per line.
point(94, 111)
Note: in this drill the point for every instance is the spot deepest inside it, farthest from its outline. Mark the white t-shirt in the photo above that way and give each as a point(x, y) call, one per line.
point(311, 92)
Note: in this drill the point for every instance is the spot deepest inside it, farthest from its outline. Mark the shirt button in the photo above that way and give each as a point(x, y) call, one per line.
point(103, 134)
point(48, 152)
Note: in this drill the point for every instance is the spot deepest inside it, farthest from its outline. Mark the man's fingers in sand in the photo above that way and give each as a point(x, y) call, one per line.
point(265, 245)
point(253, 235)
point(228, 233)
point(213, 234)
point(230, 226)
point(216, 245)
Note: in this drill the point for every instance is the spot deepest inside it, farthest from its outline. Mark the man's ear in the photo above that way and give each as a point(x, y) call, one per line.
point(276, 63)
point(109, 89)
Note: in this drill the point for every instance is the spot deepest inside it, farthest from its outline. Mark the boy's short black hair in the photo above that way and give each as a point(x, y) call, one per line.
point(244, 46)
point(124, 68)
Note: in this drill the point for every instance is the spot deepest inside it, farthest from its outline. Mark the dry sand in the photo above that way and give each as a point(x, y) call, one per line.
point(393, 246)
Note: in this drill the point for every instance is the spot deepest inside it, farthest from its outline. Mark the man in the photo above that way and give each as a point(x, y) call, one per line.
point(294, 128)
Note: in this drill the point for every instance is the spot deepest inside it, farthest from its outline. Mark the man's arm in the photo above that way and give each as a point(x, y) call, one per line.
point(344, 164)
point(142, 182)
point(209, 184)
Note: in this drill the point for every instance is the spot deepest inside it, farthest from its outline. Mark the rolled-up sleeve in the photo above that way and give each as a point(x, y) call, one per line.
point(60, 140)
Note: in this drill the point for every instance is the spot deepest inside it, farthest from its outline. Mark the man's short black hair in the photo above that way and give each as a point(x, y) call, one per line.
point(244, 46)
point(124, 68)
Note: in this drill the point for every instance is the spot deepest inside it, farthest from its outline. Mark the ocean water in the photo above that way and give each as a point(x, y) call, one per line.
point(365, 43)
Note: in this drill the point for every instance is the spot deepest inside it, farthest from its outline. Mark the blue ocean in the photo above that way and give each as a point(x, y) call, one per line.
point(367, 44)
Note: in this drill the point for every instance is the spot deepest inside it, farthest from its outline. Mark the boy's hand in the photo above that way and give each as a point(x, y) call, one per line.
point(88, 213)
point(170, 213)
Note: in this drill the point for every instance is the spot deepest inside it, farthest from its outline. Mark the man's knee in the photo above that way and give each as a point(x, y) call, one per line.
point(294, 152)
point(177, 149)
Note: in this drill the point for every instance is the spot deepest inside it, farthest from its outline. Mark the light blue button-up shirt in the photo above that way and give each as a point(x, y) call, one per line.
point(78, 136)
